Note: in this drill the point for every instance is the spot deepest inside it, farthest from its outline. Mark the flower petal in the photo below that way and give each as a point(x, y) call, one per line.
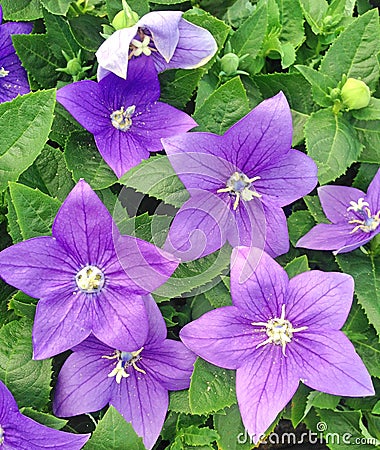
point(38, 266)
point(277, 236)
point(264, 385)
point(83, 385)
point(85, 228)
point(164, 28)
point(142, 401)
point(327, 362)
point(17, 27)
point(84, 101)
point(224, 337)
point(287, 179)
point(336, 199)
point(8, 405)
point(319, 299)
point(373, 193)
point(199, 227)
point(157, 326)
point(258, 286)
point(262, 137)
point(113, 54)
point(119, 319)
point(170, 363)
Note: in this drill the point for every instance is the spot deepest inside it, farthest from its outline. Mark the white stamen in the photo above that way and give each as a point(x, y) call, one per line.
point(125, 360)
point(3, 72)
point(240, 186)
point(90, 279)
point(368, 222)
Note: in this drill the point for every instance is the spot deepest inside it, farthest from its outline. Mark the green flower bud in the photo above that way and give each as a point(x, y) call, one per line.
point(125, 18)
point(229, 63)
point(74, 66)
point(355, 94)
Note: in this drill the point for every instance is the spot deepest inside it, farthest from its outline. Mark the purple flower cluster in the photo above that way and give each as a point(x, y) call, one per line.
point(94, 284)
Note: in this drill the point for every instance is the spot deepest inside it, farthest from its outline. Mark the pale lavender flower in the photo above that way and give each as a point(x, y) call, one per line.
point(238, 183)
point(88, 277)
point(164, 36)
point(278, 332)
point(18, 432)
point(135, 380)
point(13, 78)
point(354, 217)
point(125, 116)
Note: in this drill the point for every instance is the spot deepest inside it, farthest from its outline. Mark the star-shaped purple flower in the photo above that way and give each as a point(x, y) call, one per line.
point(278, 332)
point(125, 116)
point(239, 183)
point(13, 78)
point(135, 380)
point(354, 217)
point(18, 432)
point(165, 37)
point(89, 278)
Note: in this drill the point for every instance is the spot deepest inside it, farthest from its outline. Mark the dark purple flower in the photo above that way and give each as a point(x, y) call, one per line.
point(18, 432)
point(278, 332)
point(125, 116)
point(13, 78)
point(135, 380)
point(239, 183)
point(165, 37)
point(89, 278)
point(354, 217)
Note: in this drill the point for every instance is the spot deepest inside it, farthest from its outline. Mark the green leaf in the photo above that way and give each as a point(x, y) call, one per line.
point(63, 125)
point(376, 408)
point(332, 142)
point(367, 345)
point(369, 136)
point(113, 432)
point(314, 206)
point(23, 305)
point(299, 223)
point(59, 7)
point(321, 85)
point(365, 175)
point(354, 52)
point(219, 296)
point(84, 161)
point(178, 85)
point(156, 177)
point(356, 322)
point(297, 265)
point(28, 380)
point(6, 293)
point(371, 112)
point(223, 108)
point(249, 37)
point(196, 276)
point(237, 13)
point(291, 19)
point(298, 405)
point(211, 389)
point(44, 418)
point(321, 400)
point(31, 117)
point(86, 30)
point(314, 12)
point(179, 402)
point(232, 433)
point(34, 210)
point(21, 9)
point(365, 271)
point(199, 437)
point(13, 226)
point(168, 2)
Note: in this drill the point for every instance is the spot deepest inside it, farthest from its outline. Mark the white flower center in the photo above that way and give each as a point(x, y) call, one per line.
point(90, 279)
point(368, 222)
point(279, 331)
point(3, 72)
point(124, 360)
point(121, 119)
point(240, 186)
point(1, 435)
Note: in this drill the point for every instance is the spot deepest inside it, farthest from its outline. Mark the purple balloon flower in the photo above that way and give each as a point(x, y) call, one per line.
point(125, 116)
point(13, 78)
point(239, 183)
point(354, 217)
point(18, 432)
point(135, 380)
point(89, 278)
point(165, 37)
point(278, 332)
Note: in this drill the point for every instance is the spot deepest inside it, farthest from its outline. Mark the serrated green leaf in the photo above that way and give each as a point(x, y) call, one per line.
point(314, 206)
point(168, 2)
point(219, 295)
point(370, 112)
point(24, 127)
point(199, 437)
point(211, 389)
point(156, 178)
point(44, 418)
point(141, 7)
point(365, 271)
point(365, 175)
point(237, 13)
point(291, 19)
point(59, 7)
point(367, 345)
point(21, 9)
point(86, 30)
point(314, 12)
point(178, 85)
point(376, 408)
point(63, 125)
point(34, 210)
point(321, 84)
point(321, 400)
point(113, 432)
point(13, 226)
point(59, 37)
point(223, 108)
point(28, 380)
point(354, 52)
point(297, 265)
point(23, 305)
point(179, 402)
point(232, 433)
point(84, 161)
point(299, 120)
point(356, 322)
point(332, 142)
point(6, 293)
point(369, 135)
point(299, 223)
point(298, 405)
